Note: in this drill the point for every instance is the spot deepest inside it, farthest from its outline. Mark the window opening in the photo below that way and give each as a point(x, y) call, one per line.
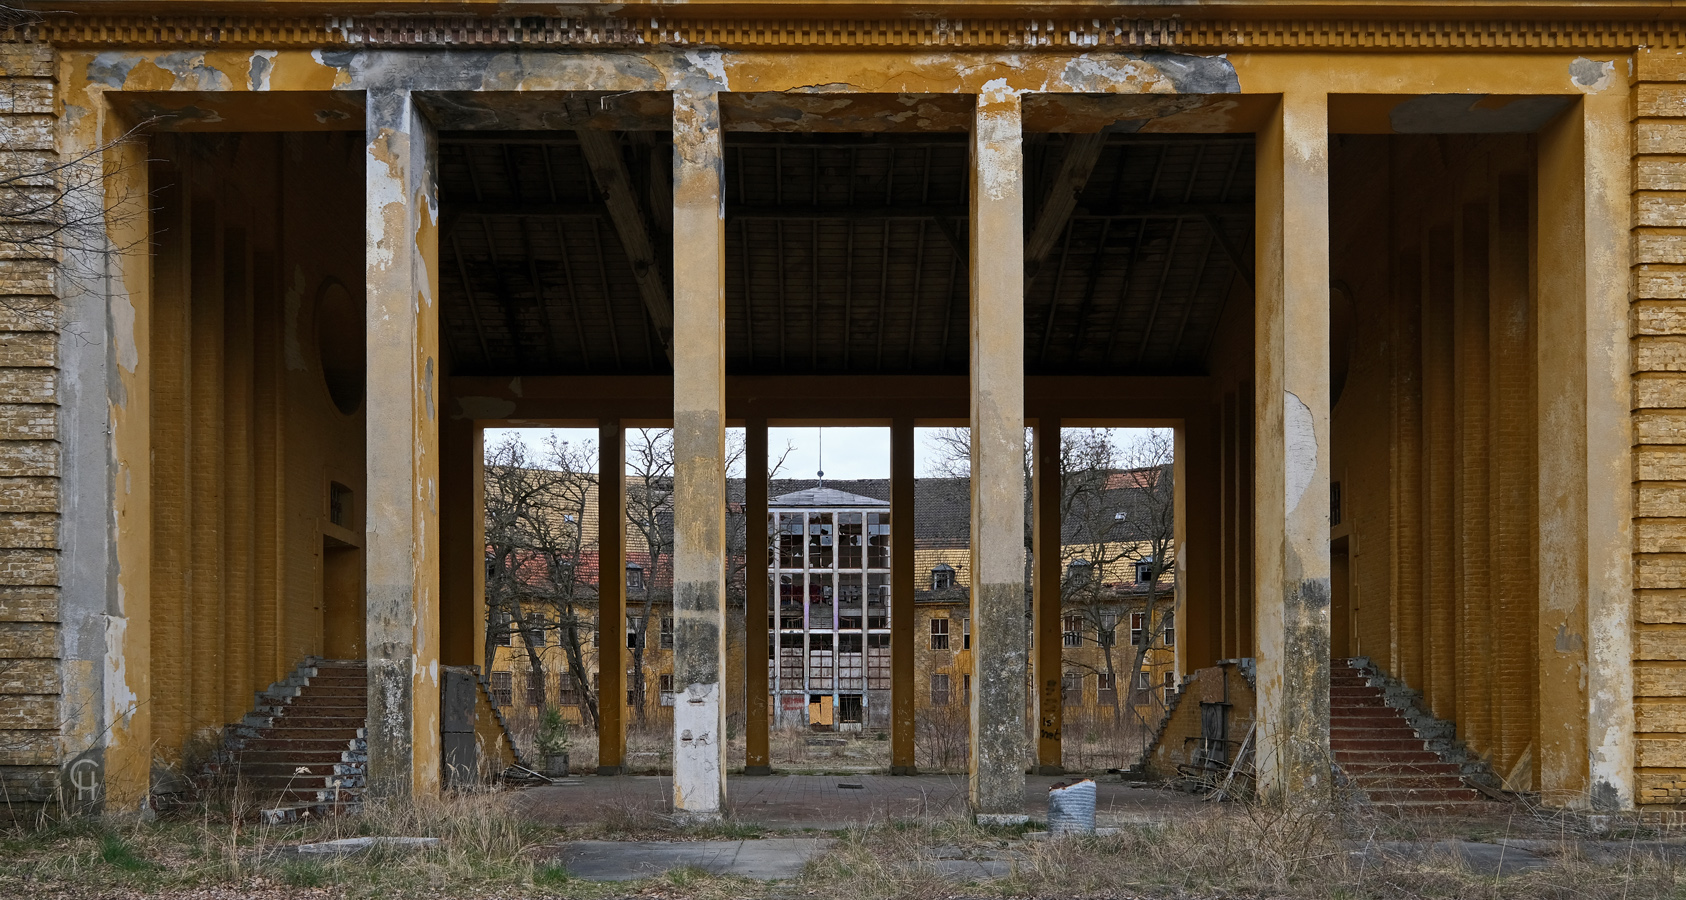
point(939, 634)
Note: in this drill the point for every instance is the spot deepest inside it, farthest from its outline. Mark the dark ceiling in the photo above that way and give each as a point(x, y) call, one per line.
point(844, 253)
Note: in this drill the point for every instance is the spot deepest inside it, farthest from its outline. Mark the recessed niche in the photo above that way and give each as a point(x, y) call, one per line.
point(340, 346)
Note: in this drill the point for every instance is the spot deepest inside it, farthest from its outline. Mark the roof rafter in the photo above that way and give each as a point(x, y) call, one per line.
point(608, 169)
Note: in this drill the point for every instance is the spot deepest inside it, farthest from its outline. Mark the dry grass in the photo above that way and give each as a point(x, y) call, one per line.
point(489, 849)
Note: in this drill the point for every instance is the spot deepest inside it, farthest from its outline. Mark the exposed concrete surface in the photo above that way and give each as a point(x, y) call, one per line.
point(768, 859)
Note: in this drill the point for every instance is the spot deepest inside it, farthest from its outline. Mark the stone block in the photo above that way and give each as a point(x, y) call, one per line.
point(1667, 136)
point(1659, 353)
point(1660, 715)
point(1659, 64)
point(28, 386)
point(1659, 173)
point(1659, 535)
point(29, 495)
point(30, 676)
point(1659, 100)
point(1660, 463)
point(1660, 209)
point(1658, 317)
point(1659, 681)
point(29, 530)
point(29, 640)
point(28, 422)
point(1660, 500)
point(28, 60)
point(1655, 282)
point(28, 349)
point(28, 784)
point(29, 313)
point(1659, 427)
point(27, 277)
point(29, 748)
point(1662, 607)
point(1660, 571)
point(1655, 246)
point(1659, 642)
point(36, 131)
point(29, 711)
point(1661, 753)
point(25, 458)
point(29, 603)
point(35, 95)
point(29, 567)
point(1651, 390)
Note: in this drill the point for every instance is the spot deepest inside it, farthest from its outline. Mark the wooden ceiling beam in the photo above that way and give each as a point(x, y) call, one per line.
point(1082, 151)
point(608, 169)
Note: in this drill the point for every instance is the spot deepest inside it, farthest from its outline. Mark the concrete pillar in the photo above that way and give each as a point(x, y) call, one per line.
point(997, 388)
point(1291, 453)
point(757, 728)
point(1045, 556)
point(699, 457)
point(903, 581)
point(1586, 750)
point(611, 598)
point(402, 275)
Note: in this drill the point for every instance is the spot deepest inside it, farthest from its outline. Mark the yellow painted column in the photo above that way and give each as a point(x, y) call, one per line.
point(1291, 455)
point(403, 448)
point(699, 457)
point(611, 598)
point(1587, 723)
point(1045, 555)
point(757, 727)
point(903, 580)
point(998, 420)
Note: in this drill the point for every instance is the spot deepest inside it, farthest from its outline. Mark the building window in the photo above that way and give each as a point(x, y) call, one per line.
point(1136, 629)
point(339, 504)
point(939, 634)
point(966, 633)
point(535, 688)
point(1071, 689)
point(1144, 571)
point(1170, 688)
point(665, 685)
point(533, 634)
point(667, 633)
point(1072, 635)
point(565, 693)
point(1107, 634)
point(634, 640)
point(1170, 628)
point(942, 577)
point(503, 628)
point(1077, 573)
point(634, 689)
point(966, 690)
point(1143, 681)
point(634, 577)
point(1107, 688)
point(939, 689)
point(503, 688)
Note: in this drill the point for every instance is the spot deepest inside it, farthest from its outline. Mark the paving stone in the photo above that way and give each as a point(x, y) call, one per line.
point(768, 859)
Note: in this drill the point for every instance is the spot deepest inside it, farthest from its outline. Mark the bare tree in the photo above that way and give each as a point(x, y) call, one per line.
point(535, 579)
point(649, 511)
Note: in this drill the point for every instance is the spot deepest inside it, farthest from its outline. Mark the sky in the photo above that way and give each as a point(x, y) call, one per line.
point(844, 452)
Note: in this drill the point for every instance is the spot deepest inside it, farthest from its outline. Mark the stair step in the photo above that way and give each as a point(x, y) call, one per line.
point(299, 757)
point(1432, 795)
point(1399, 769)
point(1419, 756)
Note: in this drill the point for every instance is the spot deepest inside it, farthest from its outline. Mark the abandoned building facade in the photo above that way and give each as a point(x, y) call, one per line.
point(1428, 258)
point(829, 635)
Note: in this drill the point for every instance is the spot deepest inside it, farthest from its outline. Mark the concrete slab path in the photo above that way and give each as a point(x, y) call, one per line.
point(767, 859)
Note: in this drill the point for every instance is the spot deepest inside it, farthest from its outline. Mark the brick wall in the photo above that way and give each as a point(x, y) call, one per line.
point(30, 677)
point(1658, 327)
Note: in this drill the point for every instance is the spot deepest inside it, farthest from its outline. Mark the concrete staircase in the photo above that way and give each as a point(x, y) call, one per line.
point(1383, 756)
point(303, 748)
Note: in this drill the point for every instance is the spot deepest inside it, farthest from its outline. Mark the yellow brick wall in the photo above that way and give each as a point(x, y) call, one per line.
point(30, 678)
point(1659, 419)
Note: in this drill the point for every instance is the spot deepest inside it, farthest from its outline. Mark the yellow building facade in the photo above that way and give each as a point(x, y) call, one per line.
point(1423, 258)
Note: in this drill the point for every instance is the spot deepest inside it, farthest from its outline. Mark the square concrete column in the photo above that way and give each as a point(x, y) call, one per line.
point(1585, 642)
point(1046, 619)
point(611, 597)
point(402, 520)
point(757, 727)
point(699, 457)
point(1291, 461)
point(998, 482)
point(903, 580)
